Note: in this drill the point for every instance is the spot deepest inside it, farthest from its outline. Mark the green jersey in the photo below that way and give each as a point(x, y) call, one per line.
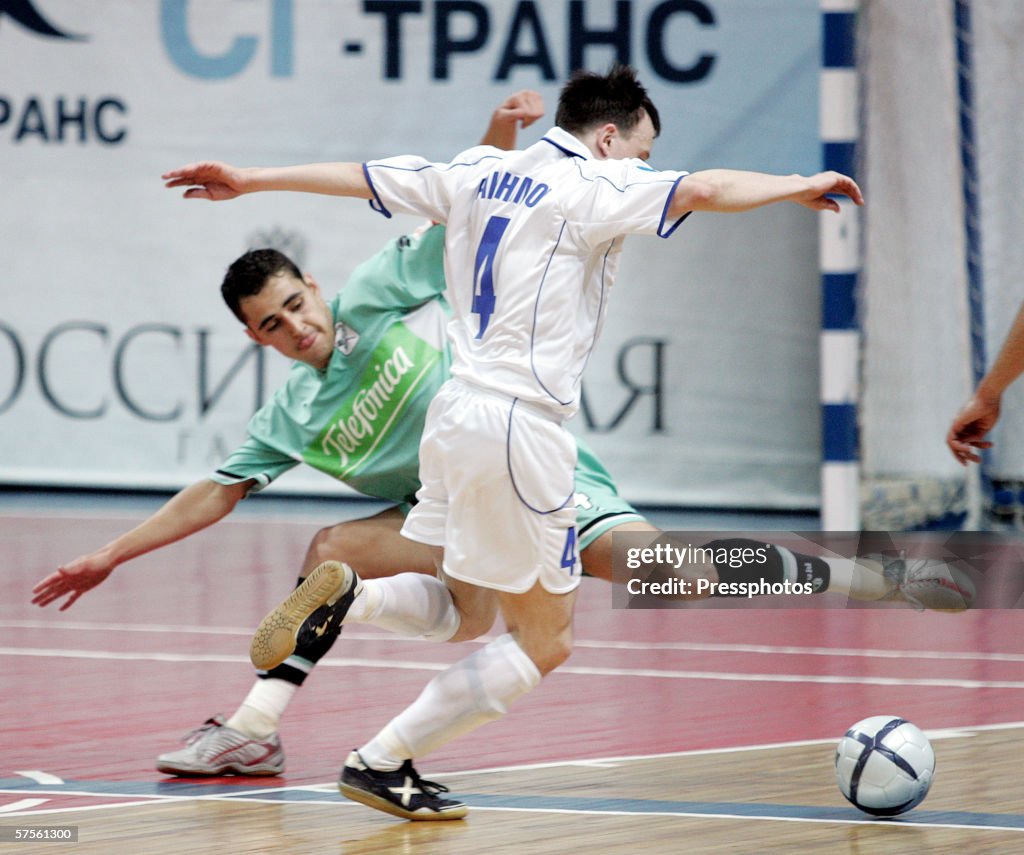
point(360, 420)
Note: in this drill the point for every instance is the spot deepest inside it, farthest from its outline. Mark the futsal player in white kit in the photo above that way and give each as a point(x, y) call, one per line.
point(531, 251)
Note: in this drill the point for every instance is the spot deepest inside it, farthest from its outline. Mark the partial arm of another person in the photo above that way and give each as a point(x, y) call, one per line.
point(734, 191)
point(194, 508)
point(980, 414)
point(517, 111)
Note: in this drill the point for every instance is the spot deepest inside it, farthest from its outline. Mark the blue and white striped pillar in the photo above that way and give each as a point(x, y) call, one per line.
point(982, 492)
point(839, 253)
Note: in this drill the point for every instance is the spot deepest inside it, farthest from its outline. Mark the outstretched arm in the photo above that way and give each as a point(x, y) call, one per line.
point(219, 182)
point(194, 508)
point(980, 414)
point(731, 191)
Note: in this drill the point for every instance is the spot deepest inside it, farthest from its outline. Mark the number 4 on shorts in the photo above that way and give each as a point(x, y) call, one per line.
point(569, 552)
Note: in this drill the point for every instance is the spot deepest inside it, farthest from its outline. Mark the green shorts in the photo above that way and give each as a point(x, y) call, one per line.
point(599, 506)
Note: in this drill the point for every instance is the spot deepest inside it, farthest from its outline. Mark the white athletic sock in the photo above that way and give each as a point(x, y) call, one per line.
point(261, 711)
point(409, 604)
point(859, 578)
point(472, 692)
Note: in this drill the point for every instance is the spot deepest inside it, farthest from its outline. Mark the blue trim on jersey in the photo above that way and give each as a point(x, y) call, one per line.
point(379, 207)
point(664, 213)
point(512, 477)
point(563, 149)
point(442, 167)
point(600, 308)
point(536, 306)
point(626, 186)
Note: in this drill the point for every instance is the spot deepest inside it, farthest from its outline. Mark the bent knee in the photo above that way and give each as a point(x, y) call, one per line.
point(320, 548)
point(342, 543)
point(474, 624)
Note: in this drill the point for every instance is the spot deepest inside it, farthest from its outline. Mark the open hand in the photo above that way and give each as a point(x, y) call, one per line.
point(208, 179)
point(73, 579)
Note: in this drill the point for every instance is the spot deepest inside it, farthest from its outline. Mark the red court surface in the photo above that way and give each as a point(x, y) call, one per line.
point(94, 693)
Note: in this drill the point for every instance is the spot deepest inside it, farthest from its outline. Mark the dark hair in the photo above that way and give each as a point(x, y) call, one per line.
point(589, 99)
point(248, 274)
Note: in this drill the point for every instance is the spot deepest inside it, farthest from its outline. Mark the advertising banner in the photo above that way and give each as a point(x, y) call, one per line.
point(119, 364)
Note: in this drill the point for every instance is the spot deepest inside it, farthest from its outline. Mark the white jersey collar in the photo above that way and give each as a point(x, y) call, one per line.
point(572, 146)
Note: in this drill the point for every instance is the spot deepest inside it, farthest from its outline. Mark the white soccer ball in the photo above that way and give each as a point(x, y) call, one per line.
point(884, 765)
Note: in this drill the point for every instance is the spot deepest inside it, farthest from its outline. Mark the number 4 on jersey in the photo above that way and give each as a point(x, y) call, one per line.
point(483, 275)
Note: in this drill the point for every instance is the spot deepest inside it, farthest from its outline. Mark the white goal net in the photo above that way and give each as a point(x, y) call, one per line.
point(921, 138)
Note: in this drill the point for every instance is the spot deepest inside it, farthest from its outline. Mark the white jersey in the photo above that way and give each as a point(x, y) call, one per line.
point(531, 253)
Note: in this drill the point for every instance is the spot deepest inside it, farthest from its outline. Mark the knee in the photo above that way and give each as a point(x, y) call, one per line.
point(473, 624)
point(320, 549)
point(337, 543)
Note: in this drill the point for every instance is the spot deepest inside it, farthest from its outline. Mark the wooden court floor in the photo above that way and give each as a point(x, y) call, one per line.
point(680, 730)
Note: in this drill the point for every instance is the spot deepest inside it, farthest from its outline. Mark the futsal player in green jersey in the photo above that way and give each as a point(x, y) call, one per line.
point(367, 364)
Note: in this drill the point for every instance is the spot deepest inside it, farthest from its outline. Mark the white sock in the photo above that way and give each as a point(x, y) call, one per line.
point(410, 604)
point(859, 578)
point(472, 692)
point(261, 711)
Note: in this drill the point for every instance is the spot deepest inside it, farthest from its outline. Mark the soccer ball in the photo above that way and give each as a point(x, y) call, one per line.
point(884, 765)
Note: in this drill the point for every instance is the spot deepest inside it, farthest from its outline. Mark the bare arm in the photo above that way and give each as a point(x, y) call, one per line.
point(218, 181)
point(189, 511)
point(731, 191)
point(518, 111)
point(980, 414)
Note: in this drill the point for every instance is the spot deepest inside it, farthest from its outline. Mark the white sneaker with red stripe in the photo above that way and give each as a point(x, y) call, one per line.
point(216, 749)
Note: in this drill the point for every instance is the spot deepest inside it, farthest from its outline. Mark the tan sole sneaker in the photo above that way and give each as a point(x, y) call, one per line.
point(274, 639)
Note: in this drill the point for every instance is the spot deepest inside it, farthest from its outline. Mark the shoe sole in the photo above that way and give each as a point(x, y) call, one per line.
point(377, 803)
point(274, 640)
point(210, 772)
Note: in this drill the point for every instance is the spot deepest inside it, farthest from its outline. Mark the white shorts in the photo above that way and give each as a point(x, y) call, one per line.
point(497, 478)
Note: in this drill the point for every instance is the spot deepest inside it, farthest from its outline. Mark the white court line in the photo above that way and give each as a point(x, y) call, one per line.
point(946, 733)
point(590, 644)
point(39, 777)
point(904, 821)
point(251, 517)
point(15, 808)
point(655, 673)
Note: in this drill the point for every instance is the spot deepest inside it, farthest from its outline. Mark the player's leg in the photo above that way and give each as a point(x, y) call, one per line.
point(478, 689)
point(601, 511)
point(411, 604)
point(510, 529)
point(375, 547)
point(925, 583)
point(247, 742)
